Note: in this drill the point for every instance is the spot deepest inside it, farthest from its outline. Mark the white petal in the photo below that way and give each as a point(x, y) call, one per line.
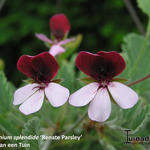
point(100, 107)
point(44, 38)
point(124, 96)
point(23, 93)
point(66, 41)
point(56, 49)
point(56, 94)
point(84, 95)
point(33, 104)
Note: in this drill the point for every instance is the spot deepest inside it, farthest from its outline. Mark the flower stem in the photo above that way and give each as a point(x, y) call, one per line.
point(76, 124)
point(2, 2)
point(140, 80)
point(134, 16)
point(48, 142)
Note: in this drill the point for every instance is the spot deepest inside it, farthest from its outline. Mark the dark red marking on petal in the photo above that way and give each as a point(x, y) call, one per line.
point(101, 66)
point(42, 68)
point(24, 65)
point(59, 25)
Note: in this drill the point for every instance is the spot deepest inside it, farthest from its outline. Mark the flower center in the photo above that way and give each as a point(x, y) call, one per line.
point(41, 86)
point(104, 84)
point(59, 34)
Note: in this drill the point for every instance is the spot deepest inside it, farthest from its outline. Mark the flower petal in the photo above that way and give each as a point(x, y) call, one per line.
point(44, 38)
point(66, 41)
point(41, 68)
point(100, 107)
point(56, 50)
point(45, 67)
point(100, 66)
point(33, 104)
point(56, 94)
point(59, 25)
point(84, 95)
point(124, 96)
point(23, 93)
point(24, 65)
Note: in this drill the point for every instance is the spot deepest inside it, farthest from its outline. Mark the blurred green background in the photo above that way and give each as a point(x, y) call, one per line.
point(102, 23)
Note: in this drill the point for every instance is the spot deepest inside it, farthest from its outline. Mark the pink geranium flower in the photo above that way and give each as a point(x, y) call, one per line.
point(102, 67)
point(42, 69)
point(60, 27)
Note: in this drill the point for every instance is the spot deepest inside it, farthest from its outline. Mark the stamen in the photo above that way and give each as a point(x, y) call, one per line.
point(41, 86)
point(104, 84)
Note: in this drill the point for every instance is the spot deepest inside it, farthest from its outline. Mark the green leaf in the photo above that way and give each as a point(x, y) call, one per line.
point(67, 73)
point(32, 127)
point(79, 83)
point(145, 6)
point(6, 94)
point(2, 64)
point(137, 117)
point(7, 127)
point(137, 66)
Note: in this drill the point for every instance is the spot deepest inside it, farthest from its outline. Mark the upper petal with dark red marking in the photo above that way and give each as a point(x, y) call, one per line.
point(42, 68)
point(100, 66)
point(24, 65)
point(59, 25)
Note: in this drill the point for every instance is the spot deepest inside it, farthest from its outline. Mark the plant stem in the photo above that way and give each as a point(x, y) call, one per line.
point(76, 124)
point(46, 145)
point(2, 2)
point(48, 142)
point(140, 80)
point(134, 16)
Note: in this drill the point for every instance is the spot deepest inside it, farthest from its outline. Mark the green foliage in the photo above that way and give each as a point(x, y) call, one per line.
point(138, 54)
point(115, 138)
point(5, 94)
point(6, 125)
point(128, 119)
point(2, 65)
point(71, 47)
point(32, 127)
point(67, 73)
point(144, 5)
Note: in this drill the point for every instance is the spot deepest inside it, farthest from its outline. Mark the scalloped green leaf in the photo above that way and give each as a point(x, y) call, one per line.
point(32, 127)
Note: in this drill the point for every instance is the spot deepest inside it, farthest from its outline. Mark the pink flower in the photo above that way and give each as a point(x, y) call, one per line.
point(102, 67)
point(42, 69)
point(60, 27)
